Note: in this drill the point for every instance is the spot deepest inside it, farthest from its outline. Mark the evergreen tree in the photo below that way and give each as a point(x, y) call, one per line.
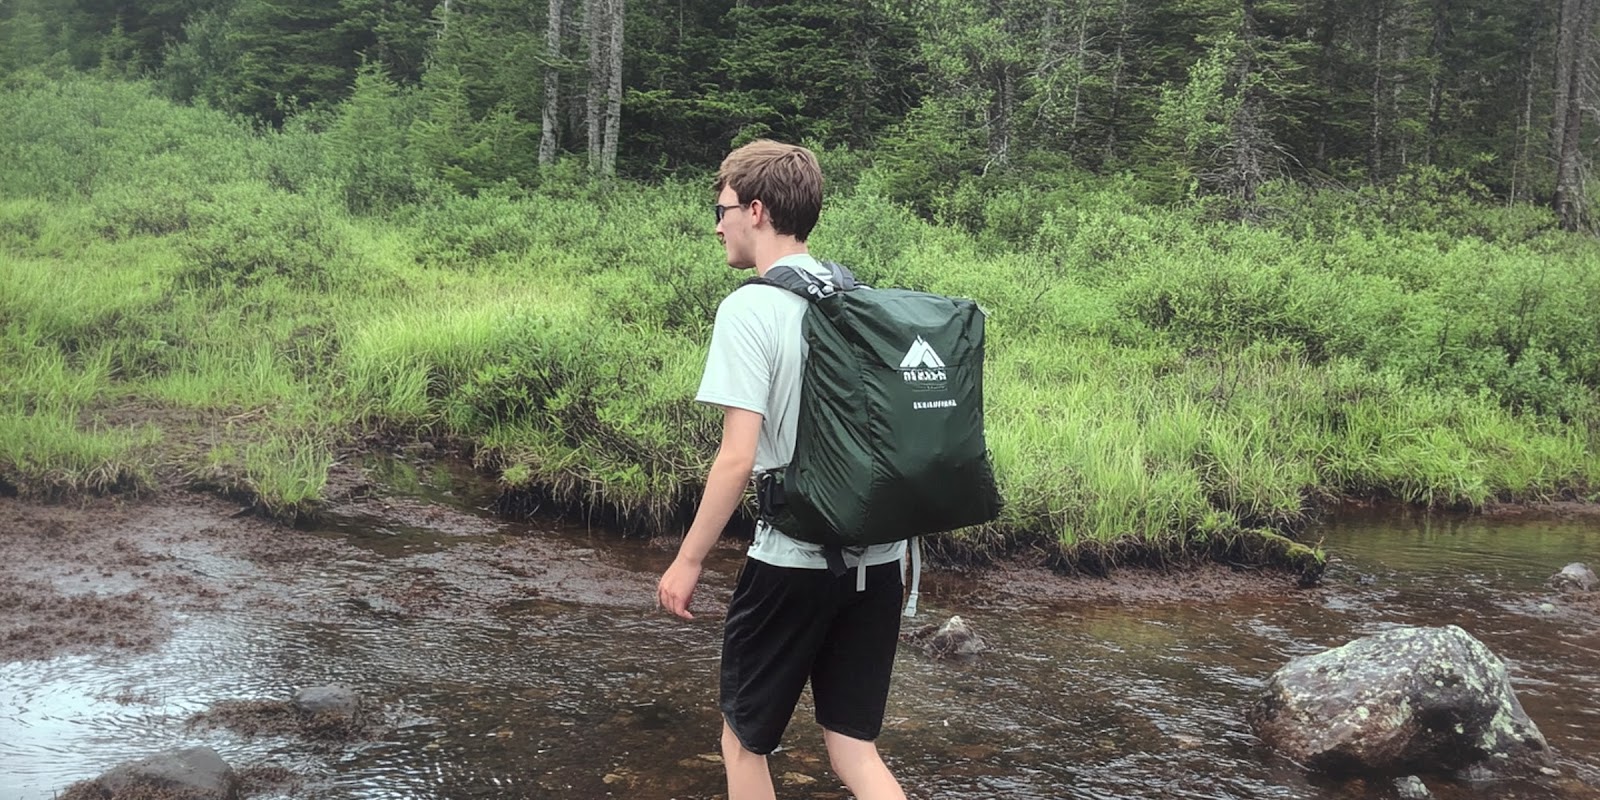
point(28, 40)
point(831, 71)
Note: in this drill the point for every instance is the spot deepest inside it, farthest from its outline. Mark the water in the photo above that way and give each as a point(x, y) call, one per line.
point(580, 688)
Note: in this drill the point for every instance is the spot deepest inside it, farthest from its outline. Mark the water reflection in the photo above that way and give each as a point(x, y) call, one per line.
point(604, 697)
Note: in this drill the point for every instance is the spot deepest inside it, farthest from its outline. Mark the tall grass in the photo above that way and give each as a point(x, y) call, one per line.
point(1157, 383)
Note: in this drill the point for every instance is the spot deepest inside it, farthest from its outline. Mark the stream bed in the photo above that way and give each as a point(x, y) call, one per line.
point(527, 660)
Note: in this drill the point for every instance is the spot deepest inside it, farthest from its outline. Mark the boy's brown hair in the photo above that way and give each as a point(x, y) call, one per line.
point(784, 177)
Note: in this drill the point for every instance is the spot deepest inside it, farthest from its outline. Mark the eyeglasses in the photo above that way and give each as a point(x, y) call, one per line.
point(721, 209)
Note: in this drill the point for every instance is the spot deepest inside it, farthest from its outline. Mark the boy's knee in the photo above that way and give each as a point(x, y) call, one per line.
point(733, 749)
point(847, 755)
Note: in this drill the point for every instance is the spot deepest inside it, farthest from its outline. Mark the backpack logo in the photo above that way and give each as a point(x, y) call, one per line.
point(921, 355)
point(921, 363)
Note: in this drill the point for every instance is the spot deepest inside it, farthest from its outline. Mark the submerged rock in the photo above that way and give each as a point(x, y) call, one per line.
point(331, 700)
point(1574, 577)
point(194, 773)
point(1404, 700)
point(954, 638)
point(1411, 787)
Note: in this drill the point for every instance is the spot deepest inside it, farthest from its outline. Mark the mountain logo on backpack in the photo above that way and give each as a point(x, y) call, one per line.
point(922, 364)
point(921, 355)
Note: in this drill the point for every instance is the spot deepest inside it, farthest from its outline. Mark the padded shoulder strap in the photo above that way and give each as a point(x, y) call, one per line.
point(805, 284)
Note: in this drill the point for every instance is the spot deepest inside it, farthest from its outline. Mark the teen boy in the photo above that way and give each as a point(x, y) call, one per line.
point(791, 618)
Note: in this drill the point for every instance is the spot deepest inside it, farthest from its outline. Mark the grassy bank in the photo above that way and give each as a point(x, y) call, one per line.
point(183, 297)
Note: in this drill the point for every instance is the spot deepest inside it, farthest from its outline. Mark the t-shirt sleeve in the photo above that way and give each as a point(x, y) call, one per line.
point(739, 364)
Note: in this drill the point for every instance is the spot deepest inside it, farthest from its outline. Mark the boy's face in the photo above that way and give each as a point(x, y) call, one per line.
point(734, 230)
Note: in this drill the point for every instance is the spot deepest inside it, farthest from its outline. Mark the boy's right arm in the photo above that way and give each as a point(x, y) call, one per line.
point(737, 379)
point(725, 485)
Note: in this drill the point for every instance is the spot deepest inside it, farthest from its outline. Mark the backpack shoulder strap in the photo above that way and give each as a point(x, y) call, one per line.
point(805, 284)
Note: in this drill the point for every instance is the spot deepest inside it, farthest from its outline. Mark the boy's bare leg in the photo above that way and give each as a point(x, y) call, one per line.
point(748, 776)
point(858, 764)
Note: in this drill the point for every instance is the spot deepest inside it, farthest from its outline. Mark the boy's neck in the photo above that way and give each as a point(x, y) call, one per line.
point(777, 251)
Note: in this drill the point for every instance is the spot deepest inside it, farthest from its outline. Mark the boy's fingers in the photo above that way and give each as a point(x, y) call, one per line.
point(673, 603)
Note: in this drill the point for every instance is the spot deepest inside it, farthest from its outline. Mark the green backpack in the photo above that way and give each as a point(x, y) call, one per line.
point(889, 443)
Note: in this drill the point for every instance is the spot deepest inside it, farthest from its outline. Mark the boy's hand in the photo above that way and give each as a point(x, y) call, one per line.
point(677, 587)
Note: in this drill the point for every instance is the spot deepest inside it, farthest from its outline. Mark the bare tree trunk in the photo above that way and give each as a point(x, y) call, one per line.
point(574, 101)
point(1081, 66)
point(1000, 118)
point(594, 35)
point(1249, 141)
point(1567, 30)
point(608, 152)
point(1001, 102)
point(1375, 145)
point(1114, 109)
point(444, 18)
point(1519, 167)
point(1568, 201)
point(548, 133)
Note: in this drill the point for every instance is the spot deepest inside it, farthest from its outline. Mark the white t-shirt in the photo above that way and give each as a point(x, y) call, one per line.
point(756, 362)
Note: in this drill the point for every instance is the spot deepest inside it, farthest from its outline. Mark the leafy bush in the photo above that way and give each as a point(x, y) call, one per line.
point(467, 231)
point(249, 233)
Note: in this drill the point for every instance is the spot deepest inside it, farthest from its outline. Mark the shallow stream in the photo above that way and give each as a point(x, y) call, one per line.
point(583, 689)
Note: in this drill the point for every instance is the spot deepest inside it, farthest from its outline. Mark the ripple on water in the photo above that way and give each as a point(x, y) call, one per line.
point(581, 691)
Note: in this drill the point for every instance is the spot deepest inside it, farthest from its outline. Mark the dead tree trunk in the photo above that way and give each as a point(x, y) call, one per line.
point(1114, 106)
point(1375, 143)
point(1249, 142)
point(1519, 167)
point(1568, 200)
point(608, 151)
point(548, 136)
point(595, 38)
point(1566, 45)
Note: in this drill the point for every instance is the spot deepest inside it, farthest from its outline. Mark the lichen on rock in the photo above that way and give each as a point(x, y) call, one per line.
point(1404, 700)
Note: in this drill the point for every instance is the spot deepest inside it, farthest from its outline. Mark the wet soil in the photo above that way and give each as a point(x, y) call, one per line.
point(253, 782)
point(1564, 509)
point(282, 718)
point(109, 574)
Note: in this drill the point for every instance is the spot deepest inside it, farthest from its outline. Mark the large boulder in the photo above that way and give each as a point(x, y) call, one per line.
point(1574, 577)
point(1401, 701)
point(194, 773)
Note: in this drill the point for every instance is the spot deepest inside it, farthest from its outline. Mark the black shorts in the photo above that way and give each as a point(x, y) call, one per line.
point(787, 625)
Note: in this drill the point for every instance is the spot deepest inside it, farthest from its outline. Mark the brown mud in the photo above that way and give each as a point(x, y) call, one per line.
point(282, 718)
point(253, 781)
point(1552, 509)
point(109, 573)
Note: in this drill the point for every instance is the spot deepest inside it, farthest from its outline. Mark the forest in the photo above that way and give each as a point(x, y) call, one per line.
point(1195, 99)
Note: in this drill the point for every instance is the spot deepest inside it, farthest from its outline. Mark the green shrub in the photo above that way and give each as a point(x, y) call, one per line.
point(249, 233)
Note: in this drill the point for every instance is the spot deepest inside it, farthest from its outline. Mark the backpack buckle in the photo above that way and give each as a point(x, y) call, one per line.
point(769, 495)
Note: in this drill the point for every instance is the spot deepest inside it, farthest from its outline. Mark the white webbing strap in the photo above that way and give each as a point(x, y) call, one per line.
point(915, 551)
point(861, 573)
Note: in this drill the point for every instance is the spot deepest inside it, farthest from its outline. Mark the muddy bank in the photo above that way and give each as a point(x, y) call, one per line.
point(1551, 509)
point(110, 573)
